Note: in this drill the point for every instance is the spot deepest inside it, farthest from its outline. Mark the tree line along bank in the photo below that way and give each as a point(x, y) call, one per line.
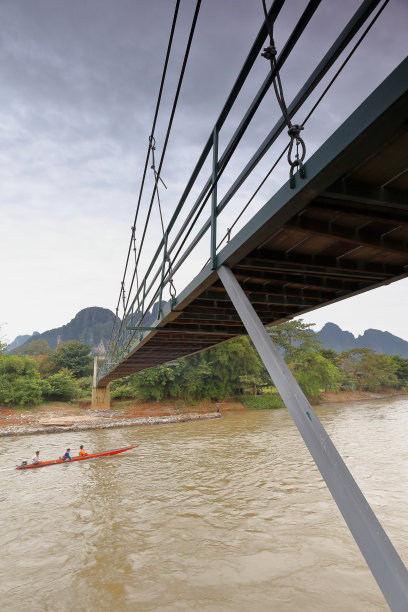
point(35, 374)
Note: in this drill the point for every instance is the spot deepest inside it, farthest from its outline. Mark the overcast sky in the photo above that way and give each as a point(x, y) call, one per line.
point(79, 82)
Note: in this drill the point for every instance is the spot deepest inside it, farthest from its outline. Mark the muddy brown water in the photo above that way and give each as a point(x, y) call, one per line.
point(222, 515)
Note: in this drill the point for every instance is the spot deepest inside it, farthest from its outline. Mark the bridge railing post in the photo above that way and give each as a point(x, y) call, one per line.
point(214, 201)
point(163, 272)
point(143, 302)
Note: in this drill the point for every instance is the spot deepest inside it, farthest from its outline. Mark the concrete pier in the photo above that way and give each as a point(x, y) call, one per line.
point(100, 397)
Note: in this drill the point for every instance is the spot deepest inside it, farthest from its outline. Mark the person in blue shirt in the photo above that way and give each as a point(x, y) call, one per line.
point(66, 456)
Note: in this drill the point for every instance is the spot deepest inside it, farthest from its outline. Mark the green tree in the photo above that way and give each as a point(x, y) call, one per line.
point(378, 372)
point(73, 356)
point(35, 348)
point(85, 386)
point(294, 338)
point(331, 356)
point(401, 371)
point(315, 373)
point(20, 382)
point(40, 351)
point(197, 377)
point(121, 388)
point(213, 374)
point(61, 386)
point(228, 362)
point(45, 365)
point(367, 370)
point(155, 383)
point(350, 365)
point(252, 383)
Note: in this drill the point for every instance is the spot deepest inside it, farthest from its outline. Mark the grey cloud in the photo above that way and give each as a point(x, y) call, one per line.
point(79, 85)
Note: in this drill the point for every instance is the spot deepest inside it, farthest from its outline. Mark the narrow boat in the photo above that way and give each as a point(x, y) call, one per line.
point(91, 456)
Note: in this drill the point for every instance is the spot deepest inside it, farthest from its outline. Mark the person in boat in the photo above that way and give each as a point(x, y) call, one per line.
point(66, 456)
point(36, 459)
point(82, 453)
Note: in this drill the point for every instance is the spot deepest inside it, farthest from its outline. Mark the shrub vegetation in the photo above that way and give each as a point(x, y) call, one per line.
point(229, 370)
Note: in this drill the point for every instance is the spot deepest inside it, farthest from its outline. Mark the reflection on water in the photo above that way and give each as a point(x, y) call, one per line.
point(227, 514)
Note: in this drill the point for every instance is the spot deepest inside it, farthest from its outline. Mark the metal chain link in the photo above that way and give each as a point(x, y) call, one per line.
point(172, 288)
point(296, 162)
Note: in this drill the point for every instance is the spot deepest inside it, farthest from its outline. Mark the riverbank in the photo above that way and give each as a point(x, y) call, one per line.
point(335, 397)
point(62, 417)
point(22, 430)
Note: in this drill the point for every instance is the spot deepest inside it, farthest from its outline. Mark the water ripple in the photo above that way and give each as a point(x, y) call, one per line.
point(218, 515)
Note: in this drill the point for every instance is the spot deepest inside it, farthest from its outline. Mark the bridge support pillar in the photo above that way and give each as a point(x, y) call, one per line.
point(382, 558)
point(100, 397)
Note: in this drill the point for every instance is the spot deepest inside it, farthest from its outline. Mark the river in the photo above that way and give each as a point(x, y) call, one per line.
point(221, 515)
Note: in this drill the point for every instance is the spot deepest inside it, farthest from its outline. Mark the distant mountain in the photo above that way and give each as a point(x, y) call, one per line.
point(17, 342)
point(91, 326)
point(332, 336)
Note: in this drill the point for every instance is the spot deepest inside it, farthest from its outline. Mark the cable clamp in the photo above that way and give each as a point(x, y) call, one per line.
point(172, 289)
point(269, 52)
point(157, 177)
point(152, 142)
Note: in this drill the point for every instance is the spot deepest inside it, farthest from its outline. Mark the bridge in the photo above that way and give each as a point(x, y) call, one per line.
point(338, 227)
point(340, 231)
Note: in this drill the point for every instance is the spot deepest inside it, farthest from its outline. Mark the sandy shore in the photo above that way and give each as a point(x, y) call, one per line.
point(26, 430)
point(63, 417)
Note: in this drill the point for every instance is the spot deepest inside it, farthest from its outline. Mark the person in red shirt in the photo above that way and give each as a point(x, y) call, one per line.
point(82, 453)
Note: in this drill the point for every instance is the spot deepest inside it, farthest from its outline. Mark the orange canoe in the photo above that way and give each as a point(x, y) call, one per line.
point(91, 456)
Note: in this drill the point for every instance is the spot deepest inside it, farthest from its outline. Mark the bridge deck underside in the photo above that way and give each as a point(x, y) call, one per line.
point(341, 232)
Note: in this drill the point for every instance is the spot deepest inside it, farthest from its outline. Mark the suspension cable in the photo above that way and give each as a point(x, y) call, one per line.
point(351, 53)
point(186, 55)
point(305, 17)
point(163, 77)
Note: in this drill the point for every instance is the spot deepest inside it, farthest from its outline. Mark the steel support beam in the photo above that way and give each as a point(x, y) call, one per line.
point(318, 264)
point(378, 551)
point(353, 235)
point(271, 300)
point(300, 280)
point(328, 202)
point(350, 191)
